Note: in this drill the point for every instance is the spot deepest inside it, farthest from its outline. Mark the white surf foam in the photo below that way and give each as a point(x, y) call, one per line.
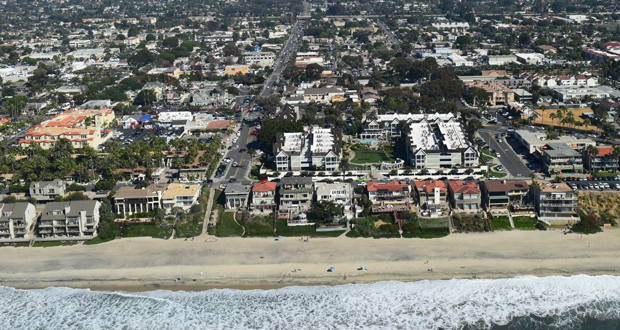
point(449, 304)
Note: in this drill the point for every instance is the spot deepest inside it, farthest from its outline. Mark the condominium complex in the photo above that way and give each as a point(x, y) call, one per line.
point(437, 144)
point(321, 147)
point(69, 219)
point(16, 220)
point(603, 160)
point(556, 204)
point(559, 157)
point(81, 118)
point(378, 127)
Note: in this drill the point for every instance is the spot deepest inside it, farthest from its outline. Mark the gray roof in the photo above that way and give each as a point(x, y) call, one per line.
point(561, 149)
point(56, 182)
point(75, 207)
point(18, 210)
point(237, 188)
point(296, 180)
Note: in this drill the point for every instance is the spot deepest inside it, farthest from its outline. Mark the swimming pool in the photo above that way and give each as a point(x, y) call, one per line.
point(368, 141)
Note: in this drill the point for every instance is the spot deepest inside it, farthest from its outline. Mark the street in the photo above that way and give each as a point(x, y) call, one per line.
point(513, 164)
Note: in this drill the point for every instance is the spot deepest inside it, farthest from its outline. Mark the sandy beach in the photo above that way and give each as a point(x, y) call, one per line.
point(142, 264)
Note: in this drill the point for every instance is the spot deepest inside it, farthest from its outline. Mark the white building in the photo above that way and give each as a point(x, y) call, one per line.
point(16, 220)
point(440, 145)
point(458, 60)
point(259, 58)
point(536, 140)
point(167, 118)
point(321, 147)
point(180, 195)
point(378, 127)
point(566, 93)
point(338, 193)
point(499, 59)
point(70, 219)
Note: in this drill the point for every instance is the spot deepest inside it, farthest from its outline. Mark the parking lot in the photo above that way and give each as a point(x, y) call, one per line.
point(593, 183)
point(127, 136)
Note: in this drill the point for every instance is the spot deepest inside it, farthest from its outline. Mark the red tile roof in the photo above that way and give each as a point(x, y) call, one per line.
point(391, 186)
point(604, 151)
point(464, 188)
point(264, 186)
point(218, 124)
point(428, 186)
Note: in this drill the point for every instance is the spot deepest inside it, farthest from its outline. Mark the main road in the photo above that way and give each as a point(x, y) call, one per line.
point(511, 161)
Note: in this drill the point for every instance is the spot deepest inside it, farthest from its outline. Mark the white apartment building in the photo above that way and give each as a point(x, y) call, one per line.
point(70, 219)
point(556, 204)
point(379, 127)
point(16, 220)
point(439, 145)
point(321, 147)
point(259, 58)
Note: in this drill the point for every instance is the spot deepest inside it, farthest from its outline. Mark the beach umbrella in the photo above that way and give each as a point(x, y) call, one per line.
point(362, 266)
point(279, 236)
point(332, 268)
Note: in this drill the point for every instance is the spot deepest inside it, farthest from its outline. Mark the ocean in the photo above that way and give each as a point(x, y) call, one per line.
point(528, 302)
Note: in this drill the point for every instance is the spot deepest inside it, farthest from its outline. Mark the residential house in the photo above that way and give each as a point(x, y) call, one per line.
point(603, 161)
point(236, 195)
point(432, 195)
point(465, 197)
point(339, 193)
point(389, 197)
point(496, 195)
point(47, 190)
point(180, 195)
point(16, 220)
point(296, 193)
point(288, 112)
point(556, 204)
point(129, 200)
point(69, 219)
point(263, 198)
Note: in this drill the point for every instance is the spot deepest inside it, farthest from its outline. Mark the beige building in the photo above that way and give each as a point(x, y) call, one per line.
point(180, 195)
point(498, 93)
point(129, 200)
point(70, 219)
point(556, 204)
point(47, 137)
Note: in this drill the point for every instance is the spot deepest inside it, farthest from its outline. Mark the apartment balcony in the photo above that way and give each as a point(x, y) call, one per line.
point(558, 198)
point(73, 230)
point(391, 208)
point(45, 230)
point(558, 204)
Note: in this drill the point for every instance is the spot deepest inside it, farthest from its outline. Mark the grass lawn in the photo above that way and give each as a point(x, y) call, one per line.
point(496, 174)
point(260, 226)
point(435, 223)
point(373, 156)
point(500, 223)
point(429, 233)
point(146, 229)
point(524, 223)
point(98, 240)
point(227, 226)
point(353, 234)
point(189, 229)
point(604, 174)
point(286, 230)
point(487, 153)
point(52, 244)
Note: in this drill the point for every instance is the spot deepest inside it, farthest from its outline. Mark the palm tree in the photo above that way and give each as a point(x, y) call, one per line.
point(542, 109)
point(533, 117)
point(616, 155)
point(62, 149)
point(553, 116)
point(592, 150)
point(559, 115)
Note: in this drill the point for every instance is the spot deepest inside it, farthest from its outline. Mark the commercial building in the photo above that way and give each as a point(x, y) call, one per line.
point(465, 197)
point(604, 160)
point(534, 141)
point(168, 118)
point(237, 194)
point(496, 195)
point(263, 198)
point(259, 58)
point(320, 147)
point(438, 145)
point(180, 195)
point(498, 93)
point(16, 220)
point(567, 93)
point(499, 59)
point(451, 26)
point(458, 60)
point(530, 58)
point(129, 200)
point(556, 204)
point(81, 118)
point(69, 219)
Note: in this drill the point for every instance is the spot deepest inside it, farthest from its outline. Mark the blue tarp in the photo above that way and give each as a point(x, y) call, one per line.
point(145, 118)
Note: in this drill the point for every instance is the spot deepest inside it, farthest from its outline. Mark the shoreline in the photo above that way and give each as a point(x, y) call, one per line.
point(146, 264)
point(146, 285)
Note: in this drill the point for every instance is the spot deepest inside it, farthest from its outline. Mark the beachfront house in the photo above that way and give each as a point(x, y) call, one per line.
point(339, 193)
point(16, 220)
point(180, 195)
point(45, 191)
point(263, 198)
point(236, 195)
point(556, 204)
point(296, 193)
point(75, 219)
point(389, 197)
point(465, 197)
point(432, 197)
point(497, 195)
point(129, 200)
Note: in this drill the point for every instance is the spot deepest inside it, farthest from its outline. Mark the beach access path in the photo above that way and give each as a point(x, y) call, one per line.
point(237, 261)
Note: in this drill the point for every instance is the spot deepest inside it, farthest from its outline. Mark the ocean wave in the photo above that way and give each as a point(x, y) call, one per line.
point(519, 303)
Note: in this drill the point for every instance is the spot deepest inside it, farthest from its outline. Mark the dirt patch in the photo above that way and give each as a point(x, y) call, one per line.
point(379, 223)
point(595, 203)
